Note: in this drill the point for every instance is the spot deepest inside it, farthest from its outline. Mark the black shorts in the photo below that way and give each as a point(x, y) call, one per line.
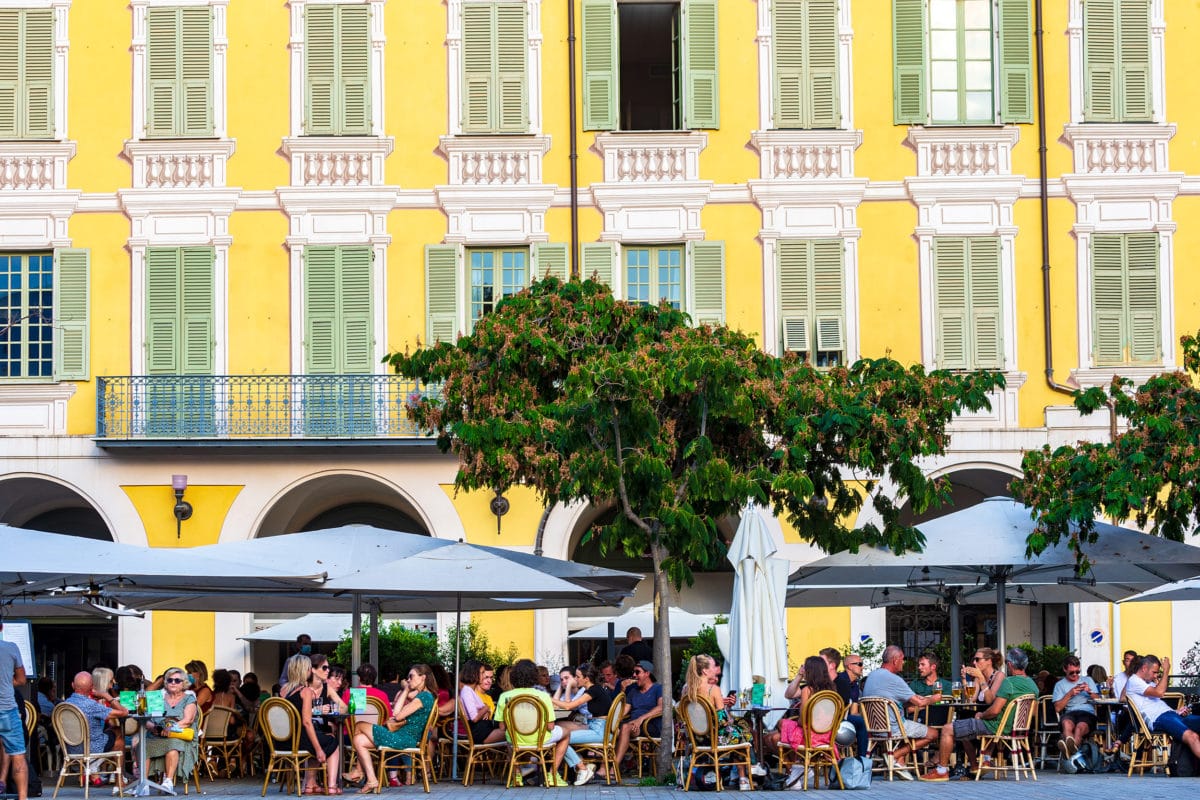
point(480, 729)
point(1080, 716)
point(327, 742)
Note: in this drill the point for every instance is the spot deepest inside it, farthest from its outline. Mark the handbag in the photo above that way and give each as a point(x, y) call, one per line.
point(394, 724)
point(856, 772)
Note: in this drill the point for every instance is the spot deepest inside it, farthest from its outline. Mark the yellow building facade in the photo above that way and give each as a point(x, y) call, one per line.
point(217, 216)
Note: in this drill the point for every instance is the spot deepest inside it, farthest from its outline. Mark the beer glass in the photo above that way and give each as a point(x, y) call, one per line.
point(956, 691)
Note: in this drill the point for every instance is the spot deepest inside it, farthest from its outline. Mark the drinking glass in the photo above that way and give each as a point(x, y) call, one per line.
point(956, 691)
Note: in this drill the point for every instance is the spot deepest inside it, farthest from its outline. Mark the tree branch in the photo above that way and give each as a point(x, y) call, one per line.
point(622, 493)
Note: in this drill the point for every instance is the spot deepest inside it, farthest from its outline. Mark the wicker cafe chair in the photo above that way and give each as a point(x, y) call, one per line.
point(822, 714)
point(1020, 711)
point(700, 720)
point(1148, 750)
point(1046, 731)
point(607, 749)
point(477, 754)
point(280, 725)
point(221, 747)
point(201, 761)
point(524, 717)
point(375, 712)
point(392, 758)
point(878, 712)
point(645, 748)
point(72, 730)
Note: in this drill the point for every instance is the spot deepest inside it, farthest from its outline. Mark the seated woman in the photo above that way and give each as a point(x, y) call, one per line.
point(410, 712)
point(701, 684)
point(367, 678)
point(198, 675)
point(105, 691)
point(586, 691)
point(477, 704)
point(299, 692)
point(167, 754)
point(791, 732)
point(224, 695)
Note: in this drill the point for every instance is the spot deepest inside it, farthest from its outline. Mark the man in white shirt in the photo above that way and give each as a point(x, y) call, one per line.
point(1145, 692)
point(1118, 681)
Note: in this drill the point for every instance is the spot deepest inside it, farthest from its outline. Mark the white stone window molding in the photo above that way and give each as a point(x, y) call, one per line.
point(1075, 55)
point(62, 45)
point(765, 36)
point(357, 218)
point(501, 216)
point(651, 192)
point(296, 45)
point(198, 219)
point(219, 56)
point(965, 187)
point(454, 67)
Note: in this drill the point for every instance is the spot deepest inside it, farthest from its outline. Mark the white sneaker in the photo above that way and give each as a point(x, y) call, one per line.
point(758, 771)
point(744, 785)
point(584, 773)
point(168, 786)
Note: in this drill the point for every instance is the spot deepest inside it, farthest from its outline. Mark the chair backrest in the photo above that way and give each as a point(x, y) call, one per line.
point(1047, 713)
point(216, 724)
point(280, 722)
point(524, 717)
point(374, 706)
point(699, 718)
point(430, 721)
point(1024, 715)
point(31, 718)
point(612, 723)
point(822, 715)
point(877, 713)
point(71, 727)
point(1139, 720)
point(1174, 700)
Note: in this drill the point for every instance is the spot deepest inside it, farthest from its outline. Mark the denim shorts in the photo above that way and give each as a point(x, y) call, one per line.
point(12, 733)
point(1175, 726)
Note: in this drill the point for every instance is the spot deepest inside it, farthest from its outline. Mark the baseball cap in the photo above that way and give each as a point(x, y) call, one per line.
point(646, 666)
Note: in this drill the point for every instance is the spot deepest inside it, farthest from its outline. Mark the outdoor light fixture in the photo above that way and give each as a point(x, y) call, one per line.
point(1076, 581)
point(1021, 601)
point(183, 509)
point(916, 583)
point(499, 507)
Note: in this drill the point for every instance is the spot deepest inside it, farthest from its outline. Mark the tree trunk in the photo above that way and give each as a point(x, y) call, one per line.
point(662, 660)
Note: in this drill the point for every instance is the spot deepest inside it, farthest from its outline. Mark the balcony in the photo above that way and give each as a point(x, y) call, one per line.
point(256, 410)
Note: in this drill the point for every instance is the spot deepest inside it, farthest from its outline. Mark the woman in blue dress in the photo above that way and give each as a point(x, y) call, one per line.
point(404, 727)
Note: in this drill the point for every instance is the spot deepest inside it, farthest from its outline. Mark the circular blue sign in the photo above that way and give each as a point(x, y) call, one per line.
point(1097, 636)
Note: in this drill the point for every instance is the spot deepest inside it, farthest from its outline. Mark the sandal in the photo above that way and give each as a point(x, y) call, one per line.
point(333, 790)
point(368, 788)
point(312, 790)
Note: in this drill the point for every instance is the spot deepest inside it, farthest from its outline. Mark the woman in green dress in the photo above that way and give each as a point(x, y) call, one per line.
point(410, 712)
point(173, 756)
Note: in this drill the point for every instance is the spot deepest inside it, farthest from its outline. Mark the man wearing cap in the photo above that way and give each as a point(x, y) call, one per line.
point(645, 698)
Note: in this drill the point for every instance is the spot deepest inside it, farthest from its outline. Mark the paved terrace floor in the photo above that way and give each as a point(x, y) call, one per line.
point(1049, 786)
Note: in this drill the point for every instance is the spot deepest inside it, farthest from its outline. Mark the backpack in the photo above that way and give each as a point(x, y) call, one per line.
point(1092, 757)
point(1181, 763)
point(856, 773)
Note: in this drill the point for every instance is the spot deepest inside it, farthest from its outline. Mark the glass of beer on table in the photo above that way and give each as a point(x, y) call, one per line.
point(956, 691)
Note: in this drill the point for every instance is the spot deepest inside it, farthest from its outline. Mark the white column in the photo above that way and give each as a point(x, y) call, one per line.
point(230, 651)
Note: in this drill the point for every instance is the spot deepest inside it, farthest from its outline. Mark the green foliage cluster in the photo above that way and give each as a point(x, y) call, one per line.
point(399, 649)
point(1049, 658)
point(475, 645)
point(1150, 472)
point(705, 641)
point(870, 651)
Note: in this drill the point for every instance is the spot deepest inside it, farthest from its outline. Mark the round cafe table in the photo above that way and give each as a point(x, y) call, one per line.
point(143, 785)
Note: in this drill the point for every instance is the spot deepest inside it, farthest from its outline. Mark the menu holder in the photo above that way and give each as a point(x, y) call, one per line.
point(358, 701)
point(128, 699)
point(156, 704)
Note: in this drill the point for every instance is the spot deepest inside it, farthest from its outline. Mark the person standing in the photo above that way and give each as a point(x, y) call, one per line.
point(12, 733)
point(636, 647)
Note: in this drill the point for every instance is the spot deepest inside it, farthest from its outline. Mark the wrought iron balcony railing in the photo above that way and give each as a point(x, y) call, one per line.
point(255, 407)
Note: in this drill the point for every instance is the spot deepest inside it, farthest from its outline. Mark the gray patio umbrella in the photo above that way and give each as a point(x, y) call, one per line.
point(981, 550)
point(1180, 590)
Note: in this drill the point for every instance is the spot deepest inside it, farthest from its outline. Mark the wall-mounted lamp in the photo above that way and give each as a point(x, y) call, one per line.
point(499, 507)
point(183, 509)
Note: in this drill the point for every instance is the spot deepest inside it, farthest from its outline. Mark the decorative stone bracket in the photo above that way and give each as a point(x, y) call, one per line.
point(495, 160)
point(179, 163)
point(337, 160)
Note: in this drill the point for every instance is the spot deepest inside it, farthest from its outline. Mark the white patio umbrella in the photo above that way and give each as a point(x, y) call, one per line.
point(684, 624)
point(1178, 591)
point(757, 621)
point(980, 550)
point(320, 627)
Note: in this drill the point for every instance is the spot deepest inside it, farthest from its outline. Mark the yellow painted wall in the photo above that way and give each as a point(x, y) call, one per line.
point(181, 636)
point(505, 627)
point(1146, 628)
point(811, 629)
point(155, 507)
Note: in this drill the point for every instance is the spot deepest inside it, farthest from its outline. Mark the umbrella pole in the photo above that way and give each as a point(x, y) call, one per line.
point(1001, 603)
point(373, 636)
point(454, 683)
point(955, 635)
point(356, 636)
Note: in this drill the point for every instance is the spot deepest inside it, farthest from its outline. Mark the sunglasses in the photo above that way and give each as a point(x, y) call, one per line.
point(173, 680)
point(1072, 672)
point(853, 663)
point(323, 668)
point(978, 658)
point(638, 672)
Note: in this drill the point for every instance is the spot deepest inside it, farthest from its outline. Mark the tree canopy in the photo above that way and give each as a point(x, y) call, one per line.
point(1149, 472)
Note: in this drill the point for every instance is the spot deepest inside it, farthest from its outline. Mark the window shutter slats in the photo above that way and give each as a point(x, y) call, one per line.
point(821, 52)
point(512, 47)
point(320, 69)
point(197, 293)
point(71, 304)
point(983, 277)
point(600, 64)
point(1100, 60)
point(479, 22)
point(1016, 67)
point(162, 310)
point(795, 277)
point(597, 259)
point(162, 70)
point(354, 70)
point(812, 295)
point(354, 293)
point(10, 71)
point(708, 280)
point(1108, 300)
point(196, 71)
point(1135, 97)
point(701, 96)
point(1142, 250)
point(551, 259)
point(788, 54)
point(950, 297)
point(441, 293)
point(908, 54)
point(320, 309)
point(37, 56)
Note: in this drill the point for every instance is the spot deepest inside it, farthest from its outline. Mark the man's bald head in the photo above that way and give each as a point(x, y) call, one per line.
point(82, 683)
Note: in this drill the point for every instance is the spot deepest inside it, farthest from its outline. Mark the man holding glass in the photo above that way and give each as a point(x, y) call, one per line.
point(927, 681)
point(1073, 696)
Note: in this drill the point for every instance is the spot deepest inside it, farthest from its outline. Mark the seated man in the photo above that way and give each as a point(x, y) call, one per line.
point(987, 721)
point(927, 681)
point(886, 682)
point(645, 698)
point(523, 676)
point(1145, 692)
point(1073, 696)
point(101, 738)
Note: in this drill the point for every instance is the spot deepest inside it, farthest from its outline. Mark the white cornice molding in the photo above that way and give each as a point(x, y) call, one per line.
point(179, 163)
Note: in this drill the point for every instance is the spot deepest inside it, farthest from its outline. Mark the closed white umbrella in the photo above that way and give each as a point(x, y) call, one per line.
point(757, 632)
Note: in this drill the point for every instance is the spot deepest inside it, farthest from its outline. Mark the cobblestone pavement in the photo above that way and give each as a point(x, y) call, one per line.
point(1049, 786)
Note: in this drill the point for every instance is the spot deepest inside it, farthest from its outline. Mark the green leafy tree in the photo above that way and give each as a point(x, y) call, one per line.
point(399, 649)
point(473, 643)
point(1150, 472)
point(582, 397)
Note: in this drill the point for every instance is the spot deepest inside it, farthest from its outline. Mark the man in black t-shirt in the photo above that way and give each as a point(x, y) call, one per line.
point(636, 647)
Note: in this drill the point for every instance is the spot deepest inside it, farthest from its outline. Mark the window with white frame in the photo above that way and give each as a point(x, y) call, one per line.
point(654, 274)
point(495, 69)
point(805, 55)
point(1126, 318)
point(495, 274)
point(44, 315)
point(27, 68)
point(812, 299)
point(179, 72)
point(1117, 66)
point(337, 70)
point(967, 297)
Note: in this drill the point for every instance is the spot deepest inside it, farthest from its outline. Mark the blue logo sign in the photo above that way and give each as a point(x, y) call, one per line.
point(1097, 636)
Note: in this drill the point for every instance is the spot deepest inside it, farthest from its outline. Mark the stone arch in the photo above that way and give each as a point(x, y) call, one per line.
point(45, 503)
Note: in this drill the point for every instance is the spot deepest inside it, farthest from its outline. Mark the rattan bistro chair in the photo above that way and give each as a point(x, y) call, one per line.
point(280, 725)
point(820, 717)
point(393, 758)
point(1020, 713)
point(72, 729)
point(222, 747)
point(1047, 730)
point(525, 718)
point(490, 756)
point(878, 713)
point(700, 720)
point(1148, 750)
point(607, 749)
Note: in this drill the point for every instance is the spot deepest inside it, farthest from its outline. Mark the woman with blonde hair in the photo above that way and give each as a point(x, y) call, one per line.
point(299, 692)
point(105, 693)
point(987, 670)
point(701, 683)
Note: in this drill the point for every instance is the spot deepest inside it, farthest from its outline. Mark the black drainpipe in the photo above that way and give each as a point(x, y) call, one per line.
point(1044, 198)
point(574, 139)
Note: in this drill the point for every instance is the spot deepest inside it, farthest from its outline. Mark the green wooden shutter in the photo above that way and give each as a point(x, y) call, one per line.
point(1016, 66)
point(551, 259)
point(794, 259)
point(1100, 60)
point(1141, 265)
point(1108, 300)
point(163, 269)
point(708, 282)
point(10, 71)
point(950, 301)
point(71, 304)
point(1135, 97)
point(701, 94)
point(908, 54)
point(197, 293)
point(600, 65)
point(821, 49)
point(162, 70)
point(356, 339)
point(37, 66)
point(597, 261)
point(829, 295)
point(320, 70)
point(441, 293)
point(320, 310)
point(985, 334)
point(196, 71)
point(479, 32)
point(788, 52)
point(354, 70)
point(512, 80)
